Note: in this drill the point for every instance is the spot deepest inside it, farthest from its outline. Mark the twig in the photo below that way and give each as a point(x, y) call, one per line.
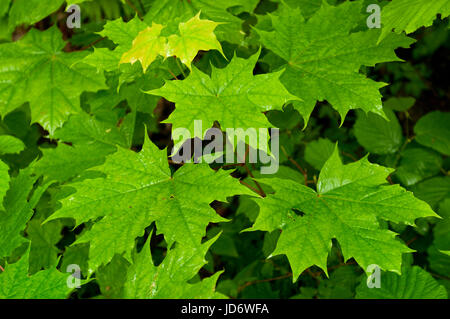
point(180, 67)
point(92, 44)
point(252, 188)
point(349, 156)
point(304, 172)
point(249, 172)
point(249, 283)
point(1, 268)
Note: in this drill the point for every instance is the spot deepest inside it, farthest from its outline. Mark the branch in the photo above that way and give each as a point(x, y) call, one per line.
point(249, 283)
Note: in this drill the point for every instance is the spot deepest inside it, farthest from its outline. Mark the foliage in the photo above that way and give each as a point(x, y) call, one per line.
point(87, 179)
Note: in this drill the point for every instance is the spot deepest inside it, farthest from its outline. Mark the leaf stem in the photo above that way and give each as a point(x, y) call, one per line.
point(180, 67)
point(303, 171)
point(249, 283)
point(132, 6)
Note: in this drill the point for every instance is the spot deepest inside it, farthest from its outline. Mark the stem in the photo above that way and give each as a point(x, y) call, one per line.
point(132, 6)
point(180, 67)
point(249, 283)
point(304, 173)
point(252, 188)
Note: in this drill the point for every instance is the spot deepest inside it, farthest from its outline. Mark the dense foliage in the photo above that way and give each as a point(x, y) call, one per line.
point(87, 177)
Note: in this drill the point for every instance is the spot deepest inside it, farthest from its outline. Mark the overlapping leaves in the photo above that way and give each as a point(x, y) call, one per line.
point(348, 204)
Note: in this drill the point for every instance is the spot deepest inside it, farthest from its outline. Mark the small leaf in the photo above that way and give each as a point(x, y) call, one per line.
point(432, 130)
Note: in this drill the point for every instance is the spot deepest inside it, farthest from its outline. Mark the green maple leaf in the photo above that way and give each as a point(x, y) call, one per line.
point(323, 57)
point(43, 252)
point(20, 12)
point(10, 145)
point(410, 15)
point(233, 96)
point(35, 70)
point(414, 283)
point(146, 47)
point(139, 189)
point(432, 131)
point(18, 209)
point(121, 33)
point(170, 278)
point(195, 35)
point(349, 201)
point(15, 283)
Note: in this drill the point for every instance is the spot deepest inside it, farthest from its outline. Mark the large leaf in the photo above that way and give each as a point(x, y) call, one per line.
point(233, 96)
point(433, 131)
point(348, 204)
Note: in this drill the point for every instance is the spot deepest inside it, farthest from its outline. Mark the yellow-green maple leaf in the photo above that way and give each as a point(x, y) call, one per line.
point(195, 35)
point(146, 47)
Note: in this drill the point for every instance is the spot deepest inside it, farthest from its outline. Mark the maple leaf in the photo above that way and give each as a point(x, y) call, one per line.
point(35, 70)
point(173, 12)
point(323, 57)
point(414, 283)
point(139, 189)
point(170, 278)
point(20, 12)
point(233, 96)
point(347, 205)
point(195, 35)
point(410, 15)
point(15, 283)
point(91, 141)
